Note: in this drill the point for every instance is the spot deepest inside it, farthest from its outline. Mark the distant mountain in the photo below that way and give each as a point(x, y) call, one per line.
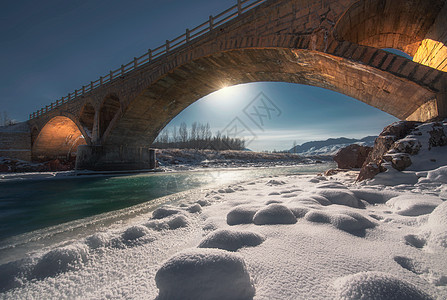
point(330, 146)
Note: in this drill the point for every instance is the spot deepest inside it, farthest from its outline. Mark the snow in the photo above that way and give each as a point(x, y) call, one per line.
point(231, 240)
point(376, 286)
point(242, 214)
point(204, 274)
point(414, 205)
point(274, 214)
point(279, 237)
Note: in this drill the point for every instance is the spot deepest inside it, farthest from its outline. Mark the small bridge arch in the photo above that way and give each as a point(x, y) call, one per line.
point(58, 139)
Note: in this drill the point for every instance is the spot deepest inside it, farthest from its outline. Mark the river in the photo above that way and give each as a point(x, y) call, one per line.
point(32, 208)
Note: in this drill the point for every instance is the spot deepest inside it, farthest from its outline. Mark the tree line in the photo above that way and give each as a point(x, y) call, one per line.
point(198, 136)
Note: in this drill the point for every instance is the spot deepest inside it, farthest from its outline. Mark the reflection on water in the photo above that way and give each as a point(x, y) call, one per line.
point(29, 205)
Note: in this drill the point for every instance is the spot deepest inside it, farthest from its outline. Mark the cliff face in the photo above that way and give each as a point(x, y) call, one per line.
point(402, 144)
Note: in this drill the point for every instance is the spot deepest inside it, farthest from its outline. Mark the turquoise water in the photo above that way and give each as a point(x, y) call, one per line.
point(29, 205)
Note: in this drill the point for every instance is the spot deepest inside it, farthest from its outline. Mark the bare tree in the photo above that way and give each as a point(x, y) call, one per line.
point(183, 132)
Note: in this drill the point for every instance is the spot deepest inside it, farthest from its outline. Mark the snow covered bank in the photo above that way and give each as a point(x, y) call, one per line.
point(187, 159)
point(288, 237)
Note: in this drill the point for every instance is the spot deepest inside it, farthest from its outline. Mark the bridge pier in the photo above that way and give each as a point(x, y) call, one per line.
point(433, 110)
point(113, 158)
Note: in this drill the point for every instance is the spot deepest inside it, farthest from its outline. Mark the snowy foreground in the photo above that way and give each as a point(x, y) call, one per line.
point(289, 237)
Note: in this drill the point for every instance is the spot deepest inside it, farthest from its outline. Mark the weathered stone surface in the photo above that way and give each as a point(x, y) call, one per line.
point(332, 172)
point(399, 161)
point(383, 144)
point(352, 156)
point(332, 44)
point(437, 136)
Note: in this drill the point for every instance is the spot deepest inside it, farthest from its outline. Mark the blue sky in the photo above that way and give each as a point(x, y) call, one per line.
point(50, 48)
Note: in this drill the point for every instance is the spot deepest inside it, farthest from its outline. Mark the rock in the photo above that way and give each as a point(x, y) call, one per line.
point(437, 136)
point(369, 171)
point(384, 143)
point(352, 156)
point(332, 172)
point(399, 161)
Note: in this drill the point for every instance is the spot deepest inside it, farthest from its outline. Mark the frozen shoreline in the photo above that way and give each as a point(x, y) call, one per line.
point(310, 255)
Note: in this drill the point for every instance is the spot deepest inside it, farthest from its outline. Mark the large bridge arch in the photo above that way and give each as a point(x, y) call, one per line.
point(145, 116)
point(58, 138)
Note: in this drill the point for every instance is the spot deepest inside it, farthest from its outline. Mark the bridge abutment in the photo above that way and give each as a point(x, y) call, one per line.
point(112, 158)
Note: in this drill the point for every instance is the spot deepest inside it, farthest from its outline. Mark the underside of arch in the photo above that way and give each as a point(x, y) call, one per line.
point(87, 118)
point(416, 27)
point(109, 109)
point(168, 96)
point(58, 139)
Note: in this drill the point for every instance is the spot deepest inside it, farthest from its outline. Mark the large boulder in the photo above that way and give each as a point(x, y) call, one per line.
point(352, 156)
point(383, 144)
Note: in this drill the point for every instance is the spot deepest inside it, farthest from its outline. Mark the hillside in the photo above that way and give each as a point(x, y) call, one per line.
point(330, 146)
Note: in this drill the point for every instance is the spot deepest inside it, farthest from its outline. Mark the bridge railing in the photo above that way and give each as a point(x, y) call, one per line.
point(213, 22)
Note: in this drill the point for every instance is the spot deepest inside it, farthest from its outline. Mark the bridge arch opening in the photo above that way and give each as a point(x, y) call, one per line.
point(288, 113)
point(58, 139)
point(109, 108)
point(399, 24)
point(87, 118)
point(145, 116)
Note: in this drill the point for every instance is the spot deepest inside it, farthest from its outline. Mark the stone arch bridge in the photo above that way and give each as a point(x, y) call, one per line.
point(333, 44)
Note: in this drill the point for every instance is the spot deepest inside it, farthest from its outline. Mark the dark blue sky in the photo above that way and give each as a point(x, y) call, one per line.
point(51, 48)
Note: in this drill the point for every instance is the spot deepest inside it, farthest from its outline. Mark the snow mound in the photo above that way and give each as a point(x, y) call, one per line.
point(171, 223)
point(348, 221)
point(331, 185)
point(438, 218)
point(298, 211)
point(438, 175)
point(414, 204)
point(98, 240)
point(179, 221)
point(231, 240)
point(351, 222)
point(272, 202)
point(340, 196)
point(226, 190)
point(134, 233)
point(196, 208)
point(274, 214)
point(203, 202)
point(163, 212)
point(317, 217)
point(242, 214)
point(310, 198)
point(204, 274)
point(275, 182)
point(374, 196)
point(376, 286)
point(437, 223)
point(60, 260)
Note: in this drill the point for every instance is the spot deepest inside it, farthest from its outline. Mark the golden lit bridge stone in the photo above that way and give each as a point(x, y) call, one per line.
point(333, 44)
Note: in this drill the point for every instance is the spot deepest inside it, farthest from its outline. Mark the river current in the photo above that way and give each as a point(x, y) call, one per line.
point(30, 208)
